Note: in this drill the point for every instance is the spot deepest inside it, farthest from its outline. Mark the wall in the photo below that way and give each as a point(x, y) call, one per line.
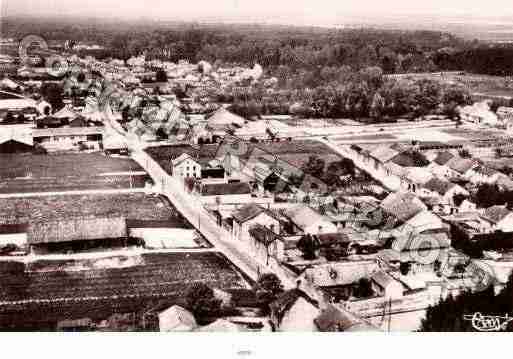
point(227, 199)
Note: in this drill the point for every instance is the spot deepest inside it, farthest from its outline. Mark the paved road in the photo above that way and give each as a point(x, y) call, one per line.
point(192, 209)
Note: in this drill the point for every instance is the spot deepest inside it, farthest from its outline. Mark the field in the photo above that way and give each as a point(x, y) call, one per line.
point(58, 294)
point(67, 172)
point(480, 86)
point(136, 206)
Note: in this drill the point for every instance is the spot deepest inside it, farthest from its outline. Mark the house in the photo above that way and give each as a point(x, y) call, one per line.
point(176, 319)
point(339, 274)
point(402, 206)
point(308, 221)
point(64, 233)
point(226, 193)
point(266, 245)
point(69, 138)
point(444, 190)
point(423, 221)
point(14, 234)
point(386, 286)
point(14, 146)
point(460, 167)
point(438, 165)
point(249, 215)
point(333, 319)
point(214, 174)
point(223, 117)
point(421, 251)
point(478, 114)
point(220, 326)
point(185, 166)
point(483, 174)
point(293, 310)
point(505, 115)
point(500, 217)
point(14, 101)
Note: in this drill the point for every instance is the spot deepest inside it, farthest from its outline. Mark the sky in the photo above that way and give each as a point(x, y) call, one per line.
point(311, 12)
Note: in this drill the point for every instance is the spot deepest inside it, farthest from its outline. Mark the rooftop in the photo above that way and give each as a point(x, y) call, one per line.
point(220, 189)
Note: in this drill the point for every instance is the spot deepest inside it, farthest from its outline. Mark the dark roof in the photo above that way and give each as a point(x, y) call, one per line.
point(171, 223)
point(13, 146)
point(402, 206)
point(282, 304)
point(460, 165)
point(382, 279)
point(249, 211)
point(14, 228)
point(484, 170)
point(77, 229)
point(438, 185)
point(263, 234)
point(219, 189)
point(410, 159)
point(443, 157)
point(496, 213)
point(331, 239)
point(217, 172)
point(332, 319)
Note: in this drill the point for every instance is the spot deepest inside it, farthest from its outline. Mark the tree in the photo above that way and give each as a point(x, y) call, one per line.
point(404, 268)
point(363, 288)
point(308, 247)
point(267, 288)
point(464, 153)
point(161, 76)
point(337, 169)
point(458, 199)
point(314, 166)
point(201, 301)
point(189, 183)
point(377, 106)
point(53, 93)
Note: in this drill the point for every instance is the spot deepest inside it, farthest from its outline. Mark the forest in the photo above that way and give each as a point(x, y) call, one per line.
point(395, 51)
point(319, 72)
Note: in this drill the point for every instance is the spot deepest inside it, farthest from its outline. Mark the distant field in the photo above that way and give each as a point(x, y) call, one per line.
point(471, 134)
point(65, 172)
point(478, 85)
point(96, 293)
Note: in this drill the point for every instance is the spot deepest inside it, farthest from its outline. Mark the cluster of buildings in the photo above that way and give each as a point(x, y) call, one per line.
point(401, 246)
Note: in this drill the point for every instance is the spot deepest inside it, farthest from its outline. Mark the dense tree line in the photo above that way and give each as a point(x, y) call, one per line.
point(343, 93)
point(273, 45)
point(449, 314)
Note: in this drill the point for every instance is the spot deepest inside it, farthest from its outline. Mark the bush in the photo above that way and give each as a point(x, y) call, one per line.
point(201, 301)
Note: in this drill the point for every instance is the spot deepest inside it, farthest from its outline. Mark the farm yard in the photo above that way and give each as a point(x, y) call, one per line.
point(136, 206)
point(55, 291)
point(67, 172)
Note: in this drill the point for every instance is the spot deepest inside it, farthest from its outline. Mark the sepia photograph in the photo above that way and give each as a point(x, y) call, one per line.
point(253, 167)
